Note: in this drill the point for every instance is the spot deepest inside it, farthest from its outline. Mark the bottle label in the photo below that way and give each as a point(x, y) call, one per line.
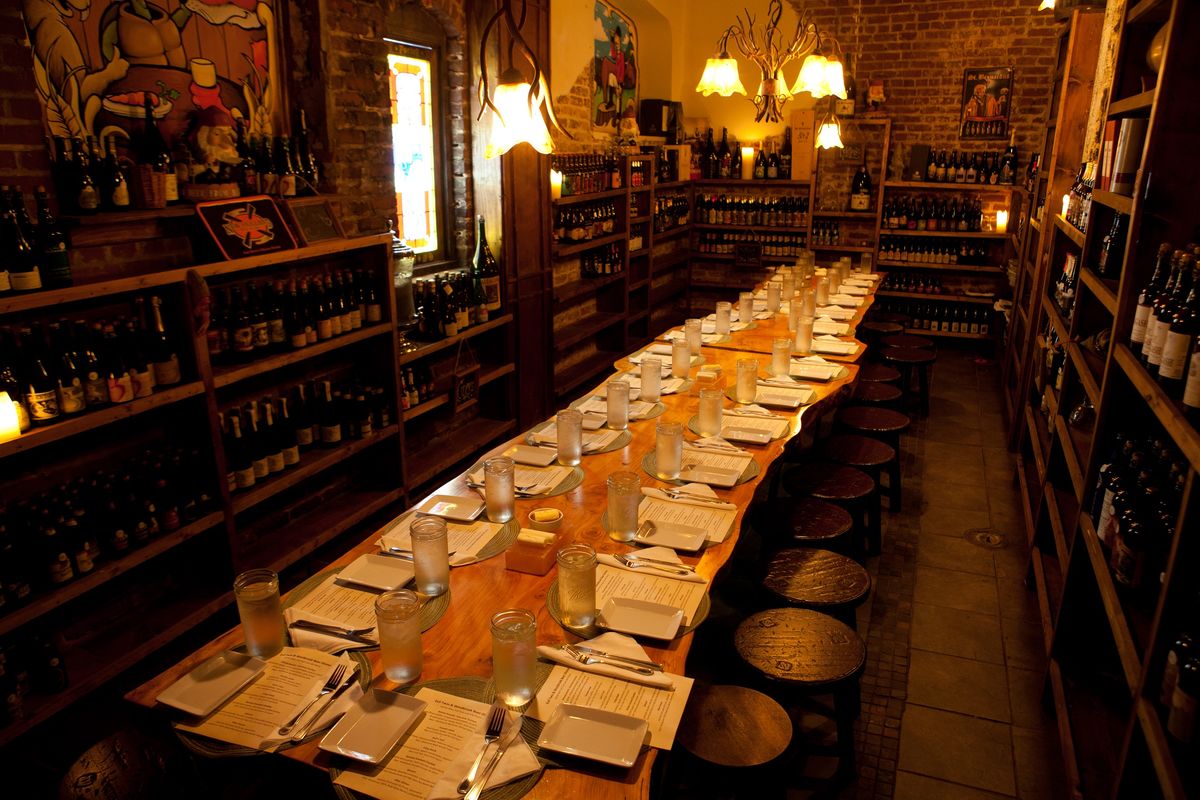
point(89, 198)
point(262, 338)
point(1191, 392)
point(299, 339)
point(1140, 318)
point(1182, 720)
point(287, 185)
point(1104, 524)
point(83, 561)
point(310, 333)
point(860, 202)
point(291, 455)
point(324, 329)
point(60, 569)
point(172, 187)
point(331, 434)
point(491, 289)
point(42, 405)
point(356, 319)
point(304, 436)
point(374, 312)
point(231, 480)
point(335, 325)
point(243, 339)
point(71, 397)
point(1175, 355)
point(1156, 339)
point(143, 383)
point(260, 467)
point(244, 477)
point(347, 322)
point(26, 281)
point(275, 331)
point(275, 462)
point(166, 372)
point(5, 281)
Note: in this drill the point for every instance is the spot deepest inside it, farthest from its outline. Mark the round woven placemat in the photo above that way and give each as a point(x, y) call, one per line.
point(432, 611)
point(595, 630)
point(693, 425)
point(650, 465)
point(500, 542)
point(565, 485)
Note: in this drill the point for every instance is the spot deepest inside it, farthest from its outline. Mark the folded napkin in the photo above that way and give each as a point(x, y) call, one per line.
point(617, 644)
point(748, 410)
point(325, 642)
point(698, 489)
point(764, 314)
point(545, 482)
point(712, 444)
point(341, 704)
point(835, 312)
point(851, 289)
point(845, 300)
point(638, 409)
point(828, 326)
point(517, 762)
point(831, 344)
point(706, 338)
point(658, 350)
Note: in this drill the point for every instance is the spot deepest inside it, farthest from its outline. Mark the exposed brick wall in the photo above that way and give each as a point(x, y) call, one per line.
point(574, 114)
point(23, 158)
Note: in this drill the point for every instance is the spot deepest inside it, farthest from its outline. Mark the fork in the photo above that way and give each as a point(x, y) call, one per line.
point(324, 626)
point(589, 659)
point(334, 681)
point(676, 494)
point(495, 725)
point(634, 563)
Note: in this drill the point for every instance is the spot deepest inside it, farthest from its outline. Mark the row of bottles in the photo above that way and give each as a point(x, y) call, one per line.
point(603, 260)
point(254, 320)
point(30, 664)
point(752, 208)
point(671, 211)
point(1079, 198)
point(449, 303)
point(916, 250)
point(775, 245)
point(1167, 323)
point(587, 174)
point(989, 168)
point(916, 282)
point(826, 232)
point(1112, 248)
point(268, 436)
point(951, 318)
point(724, 161)
point(584, 222)
point(1179, 689)
point(1065, 287)
point(67, 531)
point(32, 257)
point(416, 386)
point(1054, 358)
point(282, 165)
point(639, 172)
point(65, 369)
point(926, 213)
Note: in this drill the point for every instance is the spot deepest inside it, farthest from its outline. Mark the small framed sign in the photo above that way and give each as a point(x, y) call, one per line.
point(464, 392)
point(747, 255)
point(246, 226)
point(313, 220)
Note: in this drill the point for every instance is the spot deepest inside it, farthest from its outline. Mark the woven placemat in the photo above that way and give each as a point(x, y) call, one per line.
point(595, 630)
point(623, 438)
point(650, 465)
point(568, 483)
point(657, 410)
point(693, 425)
point(500, 542)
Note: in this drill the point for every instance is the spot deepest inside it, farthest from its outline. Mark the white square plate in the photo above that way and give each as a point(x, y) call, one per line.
point(640, 618)
point(373, 726)
point(205, 688)
point(777, 400)
point(675, 535)
point(713, 476)
point(751, 435)
point(533, 456)
point(449, 506)
point(377, 571)
point(593, 733)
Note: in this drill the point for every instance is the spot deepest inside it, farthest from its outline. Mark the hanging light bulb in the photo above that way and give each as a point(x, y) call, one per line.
point(830, 133)
point(518, 117)
point(721, 76)
point(812, 77)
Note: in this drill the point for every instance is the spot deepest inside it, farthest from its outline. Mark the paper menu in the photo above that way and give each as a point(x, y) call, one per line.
point(342, 605)
point(666, 386)
point(736, 462)
point(535, 480)
point(835, 312)
point(708, 337)
point(254, 715)
point(464, 539)
point(845, 300)
point(715, 521)
point(813, 371)
point(592, 441)
point(661, 708)
point(599, 405)
point(829, 344)
point(415, 767)
point(764, 394)
point(774, 427)
point(615, 582)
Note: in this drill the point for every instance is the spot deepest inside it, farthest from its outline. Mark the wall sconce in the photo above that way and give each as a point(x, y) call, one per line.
point(721, 74)
point(522, 107)
point(10, 426)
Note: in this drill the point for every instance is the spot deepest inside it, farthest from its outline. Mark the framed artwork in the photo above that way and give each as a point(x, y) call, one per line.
point(615, 72)
point(313, 220)
point(246, 226)
point(986, 102)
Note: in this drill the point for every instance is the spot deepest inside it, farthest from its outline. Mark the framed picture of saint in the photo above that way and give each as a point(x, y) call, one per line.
point(615, 68)
point(986, 102)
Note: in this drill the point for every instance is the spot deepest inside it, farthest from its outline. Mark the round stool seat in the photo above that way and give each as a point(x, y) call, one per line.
point(890, 316)
point(803, 520)
point(908, 356)
point(905, 340)
point(857, 451)
point(817, 579)
point(878, 373)
point(825, 480)
point(877, 394)
point(800, 647)
point(881, 328)
point(872, 419)
point(733, 726)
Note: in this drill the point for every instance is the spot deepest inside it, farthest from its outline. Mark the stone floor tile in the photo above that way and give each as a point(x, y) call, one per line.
point(911, 786)
point(1024, 647)
point(958, 496)
point(957, 633)
point(958, 684)
point(938, 520)
point(957, 748)
point(953, 589)
point(1017, 600)
point(1038, 762)
point(950, 552)
point(1026, 692)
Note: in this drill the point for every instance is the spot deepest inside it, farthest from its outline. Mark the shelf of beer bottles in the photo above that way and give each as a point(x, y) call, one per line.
point(757, 183)
point(944, 234)
point(863, 215)
point(948, 267)
point(1074, 234)
point(1168, 411)
point(587, 198)
point(562, 251)
point(439, 400)
point(670, 234)
point(583, 287)
point(428, 349)
point(944, 298)
point(226, 375)
point(704, 226)
point(90, 420)
point(952, 187)
point(127, 217)
point(948, 334)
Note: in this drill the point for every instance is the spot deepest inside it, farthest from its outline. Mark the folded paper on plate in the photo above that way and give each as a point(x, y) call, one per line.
point(828, 326)
point(592, 441)
point(715, 520)
point(813, 368)
point(803, 394)
point(599, 405)
point(738, 462)
point(335, 603)
point(535, 480)
point(834, 346)
point(845, 300)
point(666, 386)
point(464, 539)
point(616, 644)
point(638, 585)
point(835, 312)
point(853, 290)
point(774, 428)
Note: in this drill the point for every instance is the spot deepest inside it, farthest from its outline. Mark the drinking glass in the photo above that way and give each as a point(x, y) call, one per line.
point(498, 488)
point(651, 380)
point(514, 655)
point(794, 309)
point(431, 561)
point(398, 621)
point(569, 424)
point(745, 307)
point(781, 356)
point(668, 449)
point(774, 289)
point(747, 379)
point(711, 401)
point(804, 335)
point(618, 405)
point(681, 359)
point(624, 495)
point(866, 262)
point(577, 585)
point(834, 275)
point(808, 303)
point(823, 289)
point(691, 333)
point(257, 593)
point(789, 282)
point(723, 311)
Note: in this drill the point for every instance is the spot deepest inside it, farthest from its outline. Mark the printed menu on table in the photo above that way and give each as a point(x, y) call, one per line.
point(341, 605)
point(738, 462)
point(617, 582)
point(716, 521)
point(462, 538)
point(774, 427)
point(599, 405)
point(592, 440)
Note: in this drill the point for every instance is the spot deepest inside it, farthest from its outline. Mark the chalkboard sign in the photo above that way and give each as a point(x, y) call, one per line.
point(747, 255)
point(247, 226)
point(314, 221)
point(465, 391)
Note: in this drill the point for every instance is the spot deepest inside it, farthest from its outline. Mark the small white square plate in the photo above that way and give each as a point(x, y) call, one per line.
point(713, 476)
point(640, 618)
point(377, 571)
point(604, 736)
point(674, 535)
point(449, 506)
point(205, 688)
point(373, 726)
point(533, 456)
point(751, 435)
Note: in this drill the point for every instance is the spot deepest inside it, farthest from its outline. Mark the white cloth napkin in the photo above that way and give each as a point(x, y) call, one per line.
point(330, 715)
point(851, 289)
point(832, 344)
point(715, 444)
point(517, 762)
point(325, 642)
point(617, 644)
point(658, 554)
point(748, 410)
point(835, 312)
point(699, 489)
point(828, 326)
point(845, 300)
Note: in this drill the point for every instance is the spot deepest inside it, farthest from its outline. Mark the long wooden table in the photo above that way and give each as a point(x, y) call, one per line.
point(460, 645)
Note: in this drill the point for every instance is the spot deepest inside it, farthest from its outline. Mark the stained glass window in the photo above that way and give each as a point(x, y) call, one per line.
point(413, 139)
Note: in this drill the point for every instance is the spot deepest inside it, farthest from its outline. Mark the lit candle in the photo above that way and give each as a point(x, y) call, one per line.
point(1066, 204)
point(555, 184)
point(1001, 221)
point(10, 427)
point(747, 163)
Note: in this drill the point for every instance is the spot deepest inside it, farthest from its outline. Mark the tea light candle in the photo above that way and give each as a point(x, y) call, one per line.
point(556, 179)
point(1001, 221)
point(10, 427)
point(1066, 204)
point(747, 163)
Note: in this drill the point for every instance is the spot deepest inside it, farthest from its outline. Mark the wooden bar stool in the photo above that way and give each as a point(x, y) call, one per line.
point(874, 393)
point(799, 653)
point(890, 316)
point(871, 455)
point(805, 522)
point(878, 373)
point(908, 360)
point(734, 736)
point(906, 340)
point(804, 577)
point(870, 332)
point(845, 486)
point(878, 423)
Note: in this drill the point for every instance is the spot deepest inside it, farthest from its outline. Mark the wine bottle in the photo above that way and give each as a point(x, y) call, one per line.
point(71, 395)
point(1156, 329)
point(114, 186)
point(51, 245)
point(785, 155)
point(355, 299)
point(1008, 162)
point(136, 358)
point(38, 386)
point(24, 272)
point(152, 150)
point(1112, 248)
point(301, 414)
point(710, 163)
point(1141, 318)
point(164, 360)
point(117, 372)
point(238, 454)
point(295, 323)
point(489, 271)
point(760, 164)
point(344, 305)
point(286, 182)
point(308, 305)
point(330, 419)
point(11, 359)
point(272, 445)
point(277, 337)
point(241, 331)
point(289, 442)
point(86, 193)
point(256, 443)
point(860, 188)
point(1180, 338)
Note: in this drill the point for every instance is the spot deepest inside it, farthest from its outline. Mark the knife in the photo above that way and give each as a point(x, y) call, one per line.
point(593, 651)
point(323, 705)
point(677, 564)
point(481, 782)
point(334, 632)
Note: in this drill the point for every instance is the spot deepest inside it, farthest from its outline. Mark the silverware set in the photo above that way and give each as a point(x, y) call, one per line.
point(341, 677)
point(588, 657)
point(356, 635)
point(677, 494)
point(633, 562)
point(507, 739)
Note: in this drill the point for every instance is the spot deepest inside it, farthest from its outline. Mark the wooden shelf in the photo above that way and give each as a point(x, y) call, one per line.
point(952, 187)
point(704, 226)
point(443, 452)
point(673, 261)
point(639, 220)
point(1166, 409)
point(1120, 203)
point(87, 421)
point(1100, 289)
point(945, 298)
point(947, 267)
point(757, 183)
point(840, 248)
point(569, 292)
point(106, 571)
point(667, 290)
point(225, 376)
point(1058, 693)
point(863, 215)
point(311, 463)
point(1071, 456)
point(1060, 325)
point(587, 198)
point(765, 259)
point(426, 350)
point(949, 334)
point(1165, 764)
point(1129, 106)
point(127, 217)
point(1131, 662)
point(1086, 377)
point(665, 185)
point(437, 401)
point(561, 251)
point(1074, 234)
point(638, 285)
point(572, 377)
point(943, 234)
point(668, 235)
point(576, 332)
point(1037, 438)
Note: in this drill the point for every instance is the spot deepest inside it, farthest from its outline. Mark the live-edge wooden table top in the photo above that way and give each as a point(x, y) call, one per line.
point(460, 643)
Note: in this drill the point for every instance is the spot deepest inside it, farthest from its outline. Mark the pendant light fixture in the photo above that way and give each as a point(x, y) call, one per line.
point(829, 134)
point(521, 104)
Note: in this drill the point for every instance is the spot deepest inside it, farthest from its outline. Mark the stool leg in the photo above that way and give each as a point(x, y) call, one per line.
point(923, 377)
point(894, 493)
point(874, 509)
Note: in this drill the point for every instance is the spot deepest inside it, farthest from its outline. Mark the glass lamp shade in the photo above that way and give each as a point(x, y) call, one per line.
point(720, 77)
point(812, 77)
point(1046, 4)
point(10, 427)
point(835, 78)
point(774, 88)
point(520, 118)
point(830, 135)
